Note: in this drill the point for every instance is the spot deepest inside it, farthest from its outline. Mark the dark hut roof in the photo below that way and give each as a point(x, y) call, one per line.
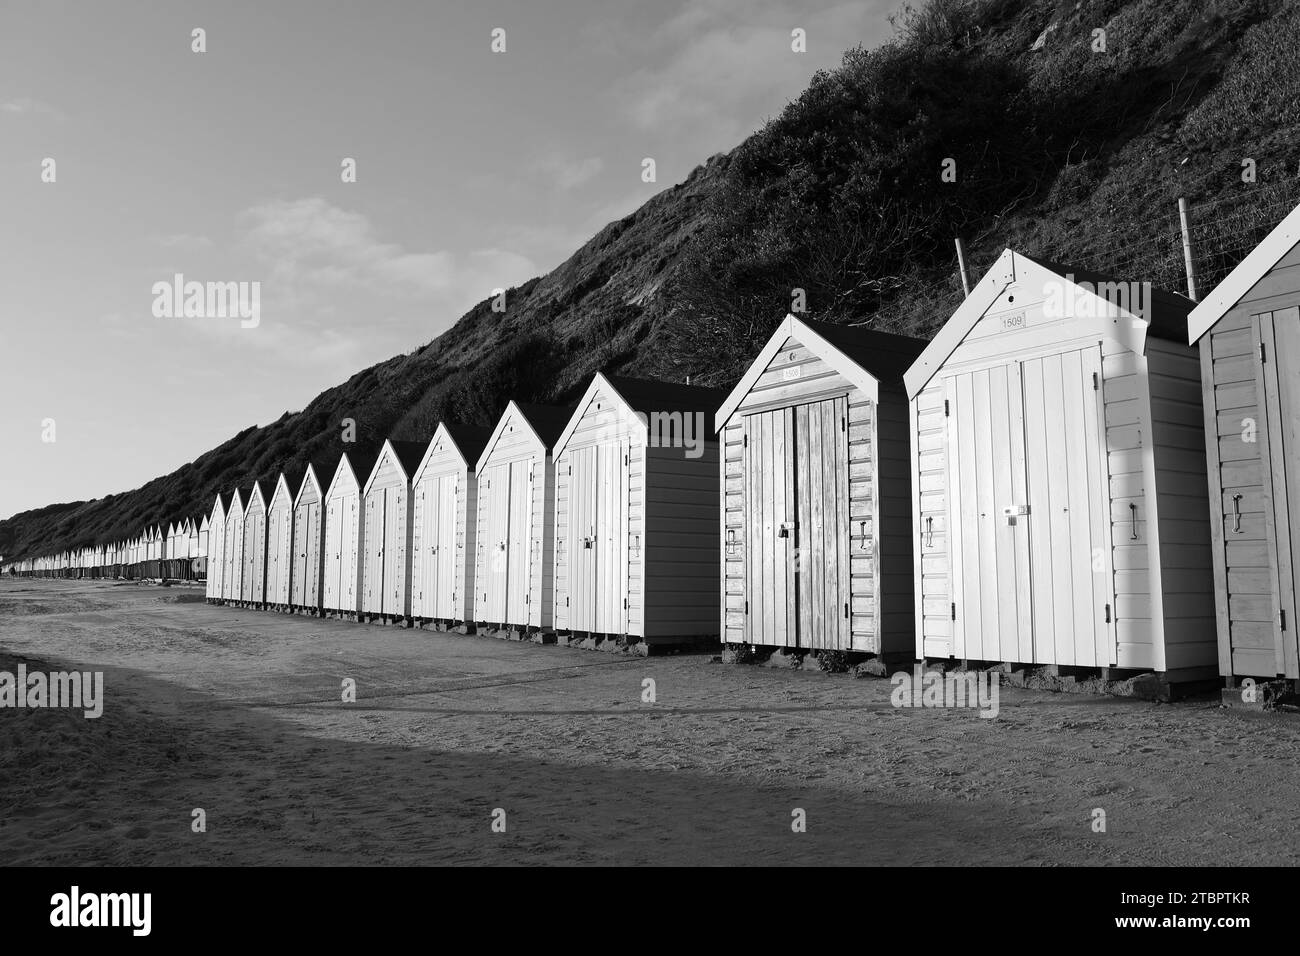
point(470, 439)
point(1167, 311)
point(549, 421)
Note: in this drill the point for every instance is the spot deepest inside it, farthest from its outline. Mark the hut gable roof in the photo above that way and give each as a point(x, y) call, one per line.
point(405, 454)
point(642, 397)
point(467, 441)
point(351, 468)
point(546, 422)
point(282, 494)
point(1166, 316)
point(1245, 277)
point(865, 357)
point(308, 476)
point(255, 494)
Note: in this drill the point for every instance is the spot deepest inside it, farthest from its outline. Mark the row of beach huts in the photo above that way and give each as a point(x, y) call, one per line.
point(1075, 472)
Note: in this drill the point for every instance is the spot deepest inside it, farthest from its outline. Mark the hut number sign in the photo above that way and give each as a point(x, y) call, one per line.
point(1012, 322)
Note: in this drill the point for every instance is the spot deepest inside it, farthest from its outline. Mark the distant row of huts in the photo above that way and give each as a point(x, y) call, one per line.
point(178, 552)
point(1074, 472)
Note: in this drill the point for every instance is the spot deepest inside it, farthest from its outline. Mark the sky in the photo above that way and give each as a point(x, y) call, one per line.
point(475, 170)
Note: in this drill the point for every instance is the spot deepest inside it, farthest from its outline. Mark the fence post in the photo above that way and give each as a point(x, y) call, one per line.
point(961, 266)
point(1187, 249)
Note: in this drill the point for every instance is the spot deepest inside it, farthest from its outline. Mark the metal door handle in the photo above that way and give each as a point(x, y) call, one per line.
point(1236, 514)
point(929, 531)
point(862, 533)
point(1133, 512)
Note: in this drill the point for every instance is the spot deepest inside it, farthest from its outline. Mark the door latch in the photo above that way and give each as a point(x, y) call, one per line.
point(786, 528)
point(1011, 512)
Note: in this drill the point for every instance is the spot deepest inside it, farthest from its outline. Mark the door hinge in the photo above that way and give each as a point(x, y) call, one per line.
point(1096, 386)
point(528, 599)
point(625, 604)
point(1283, 613)
point(566, 602)
point(1107, 613)
point(746, 607)
point(945, 408)
point(744, 441)
point(954, 611)
point(1263, 353)
point(844, 424)
point(846, 608)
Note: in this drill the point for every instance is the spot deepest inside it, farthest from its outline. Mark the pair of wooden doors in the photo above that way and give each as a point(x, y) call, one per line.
point(797, 574)
point(305, 579)
point(598, 539)
point(254, 584)
point(1258, 436)
point(1029, 512)
point(341, 553)
point(508, 558)
point(438, 506)
point(232, 585)
point(279, 532)
point(385, 565)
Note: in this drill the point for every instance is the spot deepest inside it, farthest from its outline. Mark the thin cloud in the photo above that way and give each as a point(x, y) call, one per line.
point(733, 65)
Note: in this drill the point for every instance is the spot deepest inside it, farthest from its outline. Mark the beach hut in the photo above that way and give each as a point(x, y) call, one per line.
point(444, 495)
point(279, 544)
point(200, 545)
point(215, 522)
point(816, 493)
point(233, 556)
point(513, 571)
point(253, 584)
point(1248, 330)
point(386, 565)
point(308, 544)
point(344, 526)
point(1059, 480)
point(636, 513)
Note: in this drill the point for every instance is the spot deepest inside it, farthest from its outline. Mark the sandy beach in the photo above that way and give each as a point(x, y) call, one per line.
point(239, 713)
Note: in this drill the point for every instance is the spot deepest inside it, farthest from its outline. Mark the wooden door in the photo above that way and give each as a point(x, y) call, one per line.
point(1069, 501)
point(445, 503)
point(392, 552)
point(519, 558)
point(371, 532)
point(496, 544)
point(313, 576)
point(822, 531)
point(610, 534)
point(333, 553)
point(771, 617)
point(423, 544)
point(274, 521)
point(1029, 513)
point(582, 539)
point(234, 558)
point(1277, 340)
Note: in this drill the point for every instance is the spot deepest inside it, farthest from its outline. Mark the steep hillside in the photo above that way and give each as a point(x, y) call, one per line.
point(1061, 149)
